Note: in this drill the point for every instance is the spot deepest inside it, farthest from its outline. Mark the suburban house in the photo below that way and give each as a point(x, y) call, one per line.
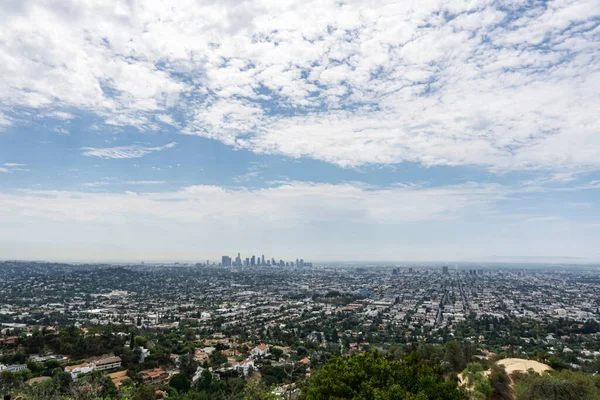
point(260, 350)
point(143, 353)
point(100, 365)
point(108, 363)
point(200, 355)
point(243, 366)
point(82, 368)
point(154, 375)
point(13, 367)
point(198, 373)
point(306, 361)
point(8, 341)
point(176, 358)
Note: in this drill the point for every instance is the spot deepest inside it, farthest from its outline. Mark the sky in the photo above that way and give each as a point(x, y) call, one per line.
point(324, 130)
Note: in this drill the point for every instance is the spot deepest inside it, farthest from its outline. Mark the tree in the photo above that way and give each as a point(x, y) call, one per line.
point(190, 335)
point(217, 358)
point(562, 385)
point(301, 351)
point(140, 341)
point(455, 356)
point(63, 381)
point(7, 381)
point(277, 353)
point(109, 390)
point(144, 392)
point(500, 382)
point(187, 365)
point(476, 382)
point(371, 376)
point(180, 382)
point(256, 390)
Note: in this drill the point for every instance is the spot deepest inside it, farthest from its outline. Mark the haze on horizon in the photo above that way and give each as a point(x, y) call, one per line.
point(324, 130)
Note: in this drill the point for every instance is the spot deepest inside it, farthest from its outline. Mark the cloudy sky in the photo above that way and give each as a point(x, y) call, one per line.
point(329, 130)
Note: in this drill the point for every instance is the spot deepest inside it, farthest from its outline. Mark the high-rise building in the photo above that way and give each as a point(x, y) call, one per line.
point(253, 261)
point(238, 260)
point(226, 261)
point(445, 269)
point(262, 260)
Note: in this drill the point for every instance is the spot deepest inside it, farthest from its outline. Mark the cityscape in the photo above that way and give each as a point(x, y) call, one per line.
point(152, 325)
point(299, 200)
point(257, 261)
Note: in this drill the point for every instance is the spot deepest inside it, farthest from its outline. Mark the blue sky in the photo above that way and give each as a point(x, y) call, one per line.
point(330, 131)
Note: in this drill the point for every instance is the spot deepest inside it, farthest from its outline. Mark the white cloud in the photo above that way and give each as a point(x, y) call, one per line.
point(60, 115)
point(252, 173)
point(133, 151)
point(112, 181)
point(96, 184)
point(342, 221)
point(11, 167)
point(61, 131)
point(145, 182)
point(4, 121)
point(501, 84)
point(291, 202)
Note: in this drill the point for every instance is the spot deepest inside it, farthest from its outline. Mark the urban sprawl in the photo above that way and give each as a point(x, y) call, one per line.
point(270, 323)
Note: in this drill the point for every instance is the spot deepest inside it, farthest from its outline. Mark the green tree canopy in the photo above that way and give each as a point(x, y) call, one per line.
point(562, 385)
point(180, 382)
point(372, 376)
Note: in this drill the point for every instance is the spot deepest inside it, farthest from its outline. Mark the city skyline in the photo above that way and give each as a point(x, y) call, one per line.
point(432, 131)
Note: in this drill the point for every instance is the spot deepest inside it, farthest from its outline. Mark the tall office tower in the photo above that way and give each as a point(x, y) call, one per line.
point(238, 260)
point(410, 270)
point(281, 263)
point(226, 261)
point(269, 263)
point(247, 262)
point(445, 269)
point(263, 260)
point(301, 262)
point(273, 261)
point(253, 261)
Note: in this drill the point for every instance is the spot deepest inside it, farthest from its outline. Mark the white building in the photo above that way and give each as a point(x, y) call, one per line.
point(107, 363)
point(76, 370)
point(260, 350)
point(243, 366)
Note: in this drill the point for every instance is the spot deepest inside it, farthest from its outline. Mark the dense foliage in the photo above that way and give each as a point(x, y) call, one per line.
point(562, 385)
point(372, 376)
